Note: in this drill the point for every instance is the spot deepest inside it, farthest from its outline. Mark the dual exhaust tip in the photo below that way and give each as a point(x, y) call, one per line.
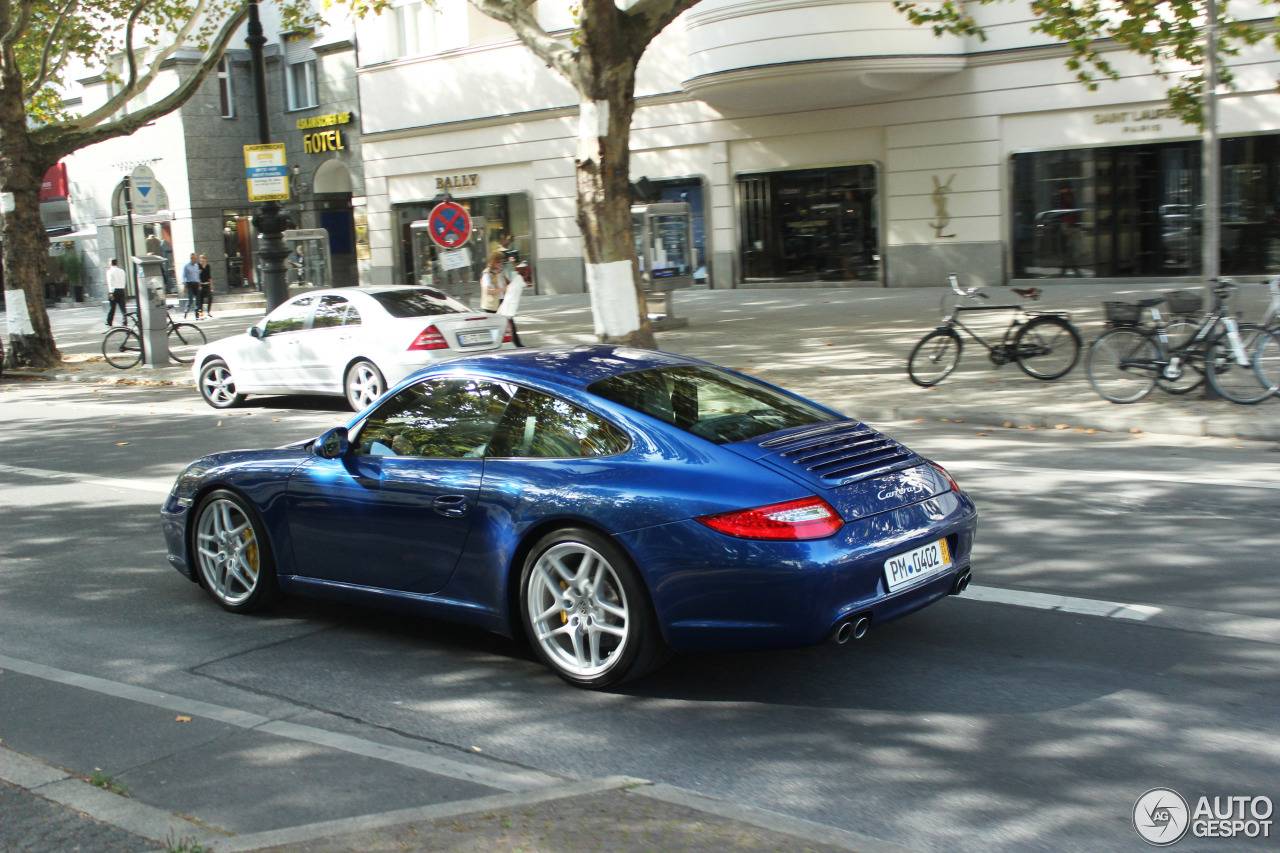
point(856, 627)
point(853, 628)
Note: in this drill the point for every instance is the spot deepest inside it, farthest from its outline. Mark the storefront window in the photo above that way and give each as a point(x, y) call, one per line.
point(810, 225)
point(1137, 211)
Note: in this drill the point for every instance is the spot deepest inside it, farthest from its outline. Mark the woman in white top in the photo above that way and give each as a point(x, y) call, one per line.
point(499, 294)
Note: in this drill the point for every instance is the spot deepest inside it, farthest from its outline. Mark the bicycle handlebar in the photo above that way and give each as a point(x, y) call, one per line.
point(954, 281)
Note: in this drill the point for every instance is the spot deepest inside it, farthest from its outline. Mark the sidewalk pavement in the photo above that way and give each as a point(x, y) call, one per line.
point(846, 347)
point(199, 776)
point(177, 774)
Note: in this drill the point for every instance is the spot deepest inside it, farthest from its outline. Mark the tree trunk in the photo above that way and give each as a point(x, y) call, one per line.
point(606, 89)
point(26, 246)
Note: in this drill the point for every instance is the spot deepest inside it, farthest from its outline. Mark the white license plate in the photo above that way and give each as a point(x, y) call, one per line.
point(471, 339)
point(906, 569)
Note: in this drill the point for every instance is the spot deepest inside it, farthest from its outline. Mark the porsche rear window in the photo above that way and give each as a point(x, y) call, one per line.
point(710, 403)
point(422, 302)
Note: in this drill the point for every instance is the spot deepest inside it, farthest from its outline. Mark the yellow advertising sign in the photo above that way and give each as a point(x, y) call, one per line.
point(266, 172)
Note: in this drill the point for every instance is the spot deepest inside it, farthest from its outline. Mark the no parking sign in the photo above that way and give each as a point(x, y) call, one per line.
point(449, 225)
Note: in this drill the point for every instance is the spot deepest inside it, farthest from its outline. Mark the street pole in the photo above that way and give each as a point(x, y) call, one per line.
point(1211, 167)
point(272, 221)
point(133, 268)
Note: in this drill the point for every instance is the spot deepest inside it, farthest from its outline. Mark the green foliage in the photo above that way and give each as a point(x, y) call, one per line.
point(1169, 34)
point(173, 844)
point(106, 782)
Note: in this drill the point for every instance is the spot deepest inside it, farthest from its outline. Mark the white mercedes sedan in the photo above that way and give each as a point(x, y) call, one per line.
point(349, 342)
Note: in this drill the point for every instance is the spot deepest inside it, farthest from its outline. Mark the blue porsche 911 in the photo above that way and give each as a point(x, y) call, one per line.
point(612, 504)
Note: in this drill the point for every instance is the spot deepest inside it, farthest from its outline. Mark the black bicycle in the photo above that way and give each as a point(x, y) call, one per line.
point(1125, 363)
point(1043, 343)
point(122, 346)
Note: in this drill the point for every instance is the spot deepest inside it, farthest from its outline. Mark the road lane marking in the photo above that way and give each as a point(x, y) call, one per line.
point(491, 774)
point(154, 484)
point(1112, 475)
point(1261, 629)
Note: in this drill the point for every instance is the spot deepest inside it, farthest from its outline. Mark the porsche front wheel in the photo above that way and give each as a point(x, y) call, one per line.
point(232, 557)
point(586, 612)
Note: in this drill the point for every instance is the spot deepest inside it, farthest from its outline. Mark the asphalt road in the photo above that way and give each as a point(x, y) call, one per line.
point(1123, 634)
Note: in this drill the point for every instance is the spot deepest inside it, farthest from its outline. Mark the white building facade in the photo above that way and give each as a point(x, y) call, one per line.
point(820, 142)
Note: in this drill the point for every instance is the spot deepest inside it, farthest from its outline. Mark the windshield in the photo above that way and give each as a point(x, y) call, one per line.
point(710, 403)
point(419, 302)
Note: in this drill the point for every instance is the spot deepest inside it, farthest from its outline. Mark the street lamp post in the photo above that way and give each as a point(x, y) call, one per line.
point(272, 221)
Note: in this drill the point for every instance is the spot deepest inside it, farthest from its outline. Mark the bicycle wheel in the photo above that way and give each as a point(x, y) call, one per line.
point(1237, 382)
point(1047, 347)
point(184, 340)
point(1266, 361)
point(1190, 370)
point(934, 357)
point(122, 348)
point(1122, 365)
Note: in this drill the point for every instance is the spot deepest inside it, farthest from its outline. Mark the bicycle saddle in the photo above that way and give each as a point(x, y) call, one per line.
point(1150, 303)
point(1027, 292)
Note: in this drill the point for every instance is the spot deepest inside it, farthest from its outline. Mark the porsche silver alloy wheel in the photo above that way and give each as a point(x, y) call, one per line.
point(228, 553)
point(364, 385)
point(578, 610)
point(218, 386)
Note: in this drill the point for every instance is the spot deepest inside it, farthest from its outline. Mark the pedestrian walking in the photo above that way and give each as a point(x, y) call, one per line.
point(191, 285)
point(116, 293)
point(500, 294)
point(206, 287)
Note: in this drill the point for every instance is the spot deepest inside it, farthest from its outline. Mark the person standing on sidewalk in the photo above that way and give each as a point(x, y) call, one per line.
point(116, 293)
point(206, 287)
point(191, 285)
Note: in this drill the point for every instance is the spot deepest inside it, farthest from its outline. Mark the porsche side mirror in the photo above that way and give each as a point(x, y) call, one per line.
point(332, 444)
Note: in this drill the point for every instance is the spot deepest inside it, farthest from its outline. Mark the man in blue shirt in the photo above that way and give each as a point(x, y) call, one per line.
point(191, 284)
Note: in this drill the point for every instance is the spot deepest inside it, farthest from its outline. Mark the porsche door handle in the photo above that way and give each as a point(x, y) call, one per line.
point(450, 505)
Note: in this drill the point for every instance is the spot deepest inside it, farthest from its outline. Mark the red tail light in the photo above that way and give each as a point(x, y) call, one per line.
point(431, 338)
point(955, 487)
point(807, 518)
point(509, 335)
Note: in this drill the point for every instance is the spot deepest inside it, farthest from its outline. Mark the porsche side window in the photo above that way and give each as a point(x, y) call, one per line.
point(439, 419)
point(332, 311)
point(291, 317)
point(708, 402)
point(539, 425)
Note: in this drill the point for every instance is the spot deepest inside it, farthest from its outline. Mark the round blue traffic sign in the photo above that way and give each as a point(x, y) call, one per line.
point(449, 225)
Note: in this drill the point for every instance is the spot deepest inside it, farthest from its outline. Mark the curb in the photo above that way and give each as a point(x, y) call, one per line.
point(61, 787)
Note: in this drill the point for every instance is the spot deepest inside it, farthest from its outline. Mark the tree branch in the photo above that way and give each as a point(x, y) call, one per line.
point(42, 76)
point(62, 139)
point(18, 25)
point(647, 18)
point(518, 15)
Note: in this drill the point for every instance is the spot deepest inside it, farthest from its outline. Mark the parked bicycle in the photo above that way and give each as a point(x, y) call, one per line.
point(1266, 360)
point(1043, 343)
point(122, 346)
point(1125, 363)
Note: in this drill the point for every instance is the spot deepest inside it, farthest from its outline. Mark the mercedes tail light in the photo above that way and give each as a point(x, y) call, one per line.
point(509, 335)
point(807, 518)
point(430, 338)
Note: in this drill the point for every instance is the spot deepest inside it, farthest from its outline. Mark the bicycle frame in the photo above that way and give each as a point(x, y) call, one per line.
point(950, 321)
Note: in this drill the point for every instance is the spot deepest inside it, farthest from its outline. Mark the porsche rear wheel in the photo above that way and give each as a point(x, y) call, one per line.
point(232, 556)
point(586, 612)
